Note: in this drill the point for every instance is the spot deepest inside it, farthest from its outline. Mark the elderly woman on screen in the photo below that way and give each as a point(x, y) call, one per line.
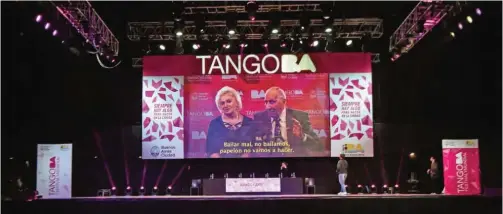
point(230, 129)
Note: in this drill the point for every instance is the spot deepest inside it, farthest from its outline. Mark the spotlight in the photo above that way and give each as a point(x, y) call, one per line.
point(397, 189)
point(168, 190)
point(142, 191)
point(114, 192)
point(196, 46)
point(275, 30)
point(452, 34)
point(38, 18)
point(349, 42)
point(243, 45)
point(469, 19)
point(162, 47)
point(265, 45)
point(360, 189)
point(226, 45)
point(154, 190)
point(128, 191)
point(232, 32)
point(55, 32)
point(412, 155)
point(179, 33)
point(460, 26)
point(373, 189)
point(478, 11)
point(47, 25)
point(385, 189)
point(328, 30)
point(315, 43)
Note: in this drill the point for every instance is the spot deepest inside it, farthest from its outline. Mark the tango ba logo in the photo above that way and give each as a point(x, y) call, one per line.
point(260, 94)
point(349, 148)
point(155, 151)
point(461, 172)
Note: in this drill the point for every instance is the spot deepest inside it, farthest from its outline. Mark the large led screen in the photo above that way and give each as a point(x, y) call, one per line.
point(324, 112)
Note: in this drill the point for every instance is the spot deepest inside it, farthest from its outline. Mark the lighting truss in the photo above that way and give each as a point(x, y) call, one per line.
point(342, 28)
point(261, 9)
point(406, 36)
point(96, 32)
point(138, 62)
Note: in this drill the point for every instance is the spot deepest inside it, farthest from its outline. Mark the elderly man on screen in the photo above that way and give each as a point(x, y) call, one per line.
point(281, 124)
point(231, 127)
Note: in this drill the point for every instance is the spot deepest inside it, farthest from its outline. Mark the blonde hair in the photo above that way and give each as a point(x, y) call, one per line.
point(228, 90)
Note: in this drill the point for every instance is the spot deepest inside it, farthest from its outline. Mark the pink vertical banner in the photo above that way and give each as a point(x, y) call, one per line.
point(461, 167)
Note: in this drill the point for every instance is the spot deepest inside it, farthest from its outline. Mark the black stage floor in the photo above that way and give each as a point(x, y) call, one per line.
point(317, 204)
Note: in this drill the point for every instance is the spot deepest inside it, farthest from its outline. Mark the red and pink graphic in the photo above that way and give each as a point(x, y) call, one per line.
point(461, 167)
point(162, 117)
point(351, 115)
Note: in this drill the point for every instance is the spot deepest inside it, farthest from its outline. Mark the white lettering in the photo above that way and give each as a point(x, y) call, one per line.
point(203, 63)
point(228, 60)
point(216, 60)
point(255, 64)
point(276, 59)
point(288, 64)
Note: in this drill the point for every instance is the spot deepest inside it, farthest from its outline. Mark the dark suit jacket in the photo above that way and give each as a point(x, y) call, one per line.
point(263, 126)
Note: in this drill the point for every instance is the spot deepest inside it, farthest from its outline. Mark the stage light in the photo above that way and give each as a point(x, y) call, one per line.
point(452, 34)
point(360, 189)
point(373, 189)
point(275, 30)
point(385, 189)
point(243, 45)
point(113, 192)
point(265, 45)
point(38, 18)
point(179, 33)
point(469, 19)
point(47, 25)
point(168, 190)
point(128, 191)
point(478, 11)
point(142, 191)
point(226, 45)
point(315, 43)
point(55, 32)
point(328, 30)
point(349, 42)
point(232, 32)
point(162, 47)
point(412, 155)
point(460, 26)
point(196, 46)
point(154, 190)
point(397, 189)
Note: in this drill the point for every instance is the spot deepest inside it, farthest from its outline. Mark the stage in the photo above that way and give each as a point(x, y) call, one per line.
point(354, 203)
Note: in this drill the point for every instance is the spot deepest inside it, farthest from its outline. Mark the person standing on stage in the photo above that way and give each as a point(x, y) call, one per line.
point(342, 170)
point(284, 170)
point(434, 175)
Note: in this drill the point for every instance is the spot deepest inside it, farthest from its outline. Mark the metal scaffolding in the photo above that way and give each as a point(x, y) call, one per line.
point(87, 22)
point(423, 18)
point(343, 28)
point(261, 9)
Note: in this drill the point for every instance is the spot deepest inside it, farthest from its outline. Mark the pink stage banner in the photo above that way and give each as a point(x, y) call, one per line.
point(461, 167)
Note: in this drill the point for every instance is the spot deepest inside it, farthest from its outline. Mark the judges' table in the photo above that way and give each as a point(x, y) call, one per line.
point(247, 186)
